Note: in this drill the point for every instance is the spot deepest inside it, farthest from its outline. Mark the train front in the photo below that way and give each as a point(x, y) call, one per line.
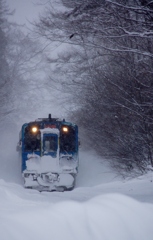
point(49, 154)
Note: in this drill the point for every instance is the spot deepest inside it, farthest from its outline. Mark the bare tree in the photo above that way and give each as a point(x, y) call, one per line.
point(109, 73)
point(22, 70)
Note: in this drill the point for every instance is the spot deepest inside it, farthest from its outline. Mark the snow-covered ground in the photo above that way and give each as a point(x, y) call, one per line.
point(103, 206)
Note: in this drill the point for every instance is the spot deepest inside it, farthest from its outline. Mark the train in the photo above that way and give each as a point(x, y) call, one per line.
point(49, 154)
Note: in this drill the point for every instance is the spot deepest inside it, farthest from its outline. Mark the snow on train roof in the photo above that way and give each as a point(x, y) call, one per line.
point(50, 130)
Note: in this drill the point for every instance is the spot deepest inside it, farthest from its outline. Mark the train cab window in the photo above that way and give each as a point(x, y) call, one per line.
point(67, 139)
point(50, 144)
point(31, 144)
point(32, 140)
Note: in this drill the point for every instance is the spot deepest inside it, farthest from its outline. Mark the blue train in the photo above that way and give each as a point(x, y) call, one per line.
point(49, 154)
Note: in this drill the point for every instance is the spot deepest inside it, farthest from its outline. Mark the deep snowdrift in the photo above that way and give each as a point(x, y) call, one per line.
point(106, 217)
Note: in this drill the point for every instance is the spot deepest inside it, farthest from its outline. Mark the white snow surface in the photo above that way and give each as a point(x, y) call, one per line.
point(103, 206)
point(42, 164)
point(50, 130)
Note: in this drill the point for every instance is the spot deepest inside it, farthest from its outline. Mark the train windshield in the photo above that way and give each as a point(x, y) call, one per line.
point(68, 139)
point(50, 143)
point(32, 140)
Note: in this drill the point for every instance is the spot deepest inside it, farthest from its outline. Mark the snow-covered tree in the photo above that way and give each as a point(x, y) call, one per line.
point(21, 70)
point(109, 73)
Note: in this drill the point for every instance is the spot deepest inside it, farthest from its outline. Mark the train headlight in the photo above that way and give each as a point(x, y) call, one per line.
point(65, 129)
point(34, 129)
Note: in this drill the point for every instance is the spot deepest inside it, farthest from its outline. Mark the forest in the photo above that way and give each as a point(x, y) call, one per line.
point(104, 69)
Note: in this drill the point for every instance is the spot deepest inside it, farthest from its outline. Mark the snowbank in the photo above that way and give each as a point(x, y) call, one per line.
point(106, 217)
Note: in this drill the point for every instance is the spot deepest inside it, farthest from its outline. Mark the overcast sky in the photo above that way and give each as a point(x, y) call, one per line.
point(25, 10)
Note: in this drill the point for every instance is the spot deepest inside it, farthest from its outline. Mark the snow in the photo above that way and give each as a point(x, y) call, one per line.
point(31, 215)
point(50, 130)
point(103, 206)
point(42, 164)
point(103, 217)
